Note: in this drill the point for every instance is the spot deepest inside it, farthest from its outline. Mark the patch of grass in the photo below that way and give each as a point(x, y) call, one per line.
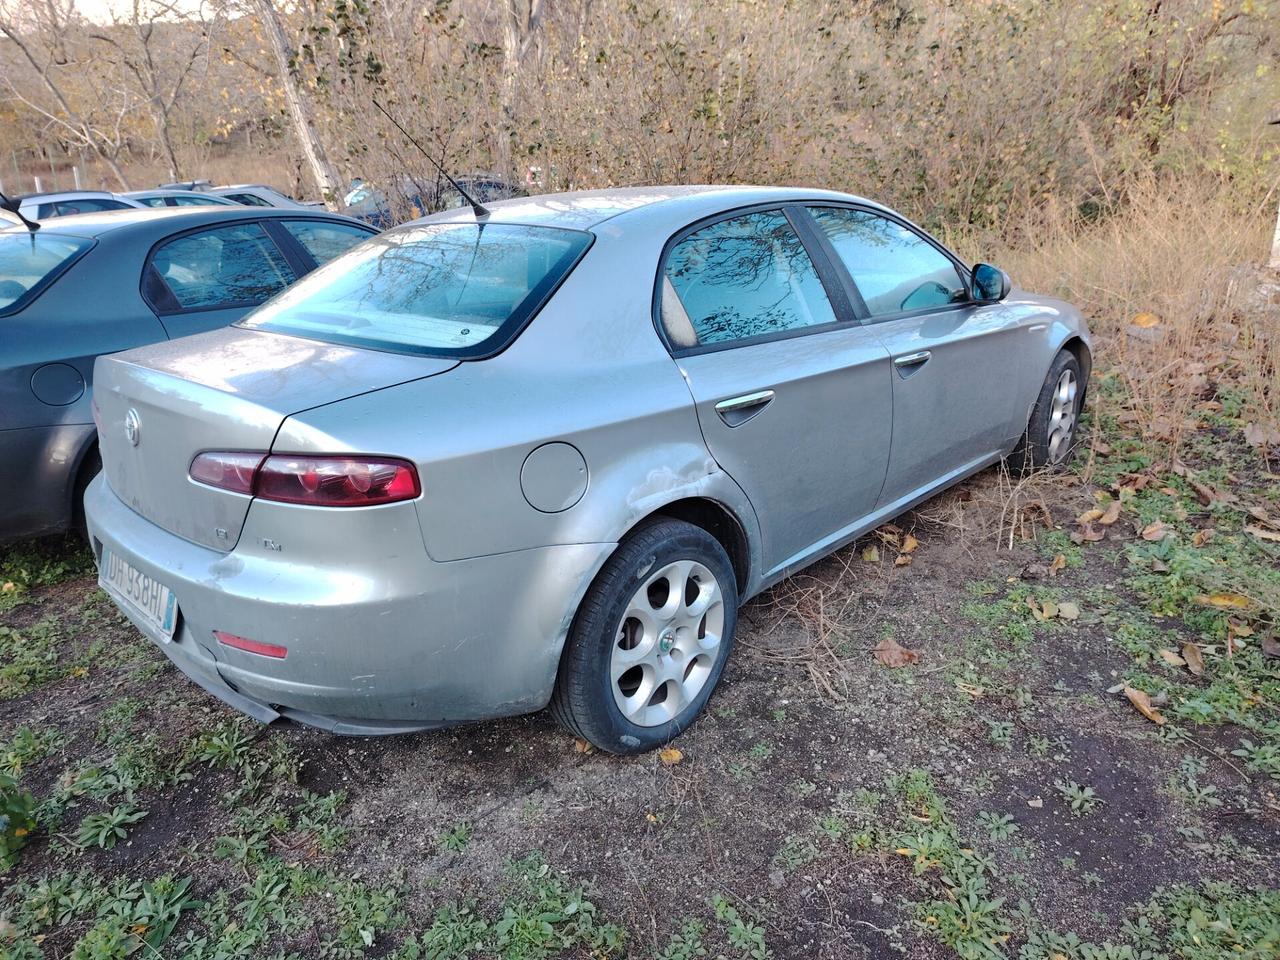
point(28, 746)
point(106, 829)
point(41, 563)
point(35, 657)
point(1082, 800)
point(456, 838)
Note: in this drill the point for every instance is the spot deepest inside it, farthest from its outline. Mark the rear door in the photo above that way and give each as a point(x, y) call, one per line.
point(211, 277)
point(955, 377)
point(793, 395)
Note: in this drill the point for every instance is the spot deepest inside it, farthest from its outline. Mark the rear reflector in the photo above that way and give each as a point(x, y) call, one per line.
point(251, 646)
point(329, 481)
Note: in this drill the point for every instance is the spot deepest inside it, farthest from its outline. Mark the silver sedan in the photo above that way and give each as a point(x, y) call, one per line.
point(494, 460)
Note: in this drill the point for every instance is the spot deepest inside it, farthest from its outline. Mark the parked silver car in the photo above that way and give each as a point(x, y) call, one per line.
point(480, 465)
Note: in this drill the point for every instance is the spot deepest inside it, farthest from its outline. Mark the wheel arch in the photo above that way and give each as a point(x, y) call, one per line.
point(719, 521)
point(1076, 346)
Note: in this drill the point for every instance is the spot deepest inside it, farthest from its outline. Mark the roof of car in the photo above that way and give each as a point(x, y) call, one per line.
point(46, 194)
point(583, 209)
point(170, 218)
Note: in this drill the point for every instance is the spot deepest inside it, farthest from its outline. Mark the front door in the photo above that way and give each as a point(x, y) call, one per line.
point(793, 395)
point(955, 388)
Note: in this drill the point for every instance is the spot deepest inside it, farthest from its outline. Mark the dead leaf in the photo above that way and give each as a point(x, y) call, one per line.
point(1224, 601)
point(893, 654)
point(1194, 658)
point(1143, 704)
point(1089, 516)
point(871, 554)
point(1239, 627)
point(909, 544)
point(1257, 435)
point(902, 560)
point(972, 690)
point(1101, 448)
point(670, 756)
point(1201, 537)
point(1270, 646)
point(582, 746)
point(1146, 320)
point(1068, 611)
point(1171, 658)
point(1111, 514)
point(1059, 563)
point(1260, 514)
point(1155, 531)
point(1087, 533)
point(1262, 533)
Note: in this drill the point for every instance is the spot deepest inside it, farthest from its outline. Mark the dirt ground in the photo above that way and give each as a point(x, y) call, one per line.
point(1000, 796)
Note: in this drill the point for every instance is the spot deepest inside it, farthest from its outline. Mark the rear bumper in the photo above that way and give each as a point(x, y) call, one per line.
point(380, 638)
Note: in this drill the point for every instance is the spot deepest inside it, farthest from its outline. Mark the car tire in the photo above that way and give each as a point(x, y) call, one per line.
point(642, 659)
point(1050, 439)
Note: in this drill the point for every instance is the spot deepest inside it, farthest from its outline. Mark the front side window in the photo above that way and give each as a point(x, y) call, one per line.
point(247, 199)
point(151, 201)
point(896, 269)
point(738, 279)
point(223, 267)
point(195, 201)
point(30, 262)
point(325, 240)
point(441, 289)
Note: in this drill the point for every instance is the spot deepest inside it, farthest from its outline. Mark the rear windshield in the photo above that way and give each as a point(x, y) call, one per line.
point(29, 262)
point(452, 289)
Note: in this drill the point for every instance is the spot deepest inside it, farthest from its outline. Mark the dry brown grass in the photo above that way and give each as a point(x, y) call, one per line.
point(1171, 289)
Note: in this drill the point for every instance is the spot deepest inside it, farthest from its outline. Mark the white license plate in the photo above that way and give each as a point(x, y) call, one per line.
point(149, 598)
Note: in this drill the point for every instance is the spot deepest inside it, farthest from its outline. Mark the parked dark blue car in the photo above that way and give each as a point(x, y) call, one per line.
point(98, 283)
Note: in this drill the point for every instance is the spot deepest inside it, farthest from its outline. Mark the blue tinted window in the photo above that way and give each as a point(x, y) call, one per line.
point(232, 265)
point(743, 278)
point(435, 288)
point(28, 262)
point(895, 268)
point(325, 240)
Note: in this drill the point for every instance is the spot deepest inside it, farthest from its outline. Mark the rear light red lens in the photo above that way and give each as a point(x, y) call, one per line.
point(252, 646)
point(229, 471)
point(317, 481)
point(337, 481)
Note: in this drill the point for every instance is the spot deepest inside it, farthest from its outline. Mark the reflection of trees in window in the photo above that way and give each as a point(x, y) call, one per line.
point(747, 277)
point(894, 268)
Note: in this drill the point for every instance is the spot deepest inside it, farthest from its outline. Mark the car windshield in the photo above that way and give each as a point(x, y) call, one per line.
point(27, 260)
point(456, 289)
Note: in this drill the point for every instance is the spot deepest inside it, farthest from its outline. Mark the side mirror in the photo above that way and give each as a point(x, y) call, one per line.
point(990, 284)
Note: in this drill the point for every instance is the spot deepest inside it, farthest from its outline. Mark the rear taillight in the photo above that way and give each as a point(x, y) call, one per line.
point(327, 481)
point(230, 471)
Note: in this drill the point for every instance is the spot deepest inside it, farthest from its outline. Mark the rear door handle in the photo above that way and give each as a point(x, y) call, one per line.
point(909, 363)
point(736, 411)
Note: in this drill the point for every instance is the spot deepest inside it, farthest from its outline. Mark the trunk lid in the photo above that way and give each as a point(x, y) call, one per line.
point(230, 389)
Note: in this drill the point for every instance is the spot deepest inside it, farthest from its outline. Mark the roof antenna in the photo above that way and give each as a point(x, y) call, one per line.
point(16, 209)
point(476, 205)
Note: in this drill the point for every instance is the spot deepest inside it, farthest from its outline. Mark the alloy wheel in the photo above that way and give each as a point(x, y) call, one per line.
point(667, 643)
point(1062, 417)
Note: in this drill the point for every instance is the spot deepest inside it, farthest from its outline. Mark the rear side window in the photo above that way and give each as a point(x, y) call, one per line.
point(30, 262)
point(66, 208)
point(324, 240)
point(449, 289)
point(740, 279)
point(229, 266)
point(896, 269)
point(248, 199)
point(151, 201)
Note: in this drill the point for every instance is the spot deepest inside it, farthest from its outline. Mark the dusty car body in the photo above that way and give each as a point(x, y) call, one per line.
point(622, 427)
point(98, 283)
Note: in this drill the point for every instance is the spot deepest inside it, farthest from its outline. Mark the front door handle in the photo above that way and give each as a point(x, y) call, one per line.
point(909, 363)
point(736, 411)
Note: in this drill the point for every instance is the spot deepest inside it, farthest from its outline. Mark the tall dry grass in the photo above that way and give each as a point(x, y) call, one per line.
point(1175, 291)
